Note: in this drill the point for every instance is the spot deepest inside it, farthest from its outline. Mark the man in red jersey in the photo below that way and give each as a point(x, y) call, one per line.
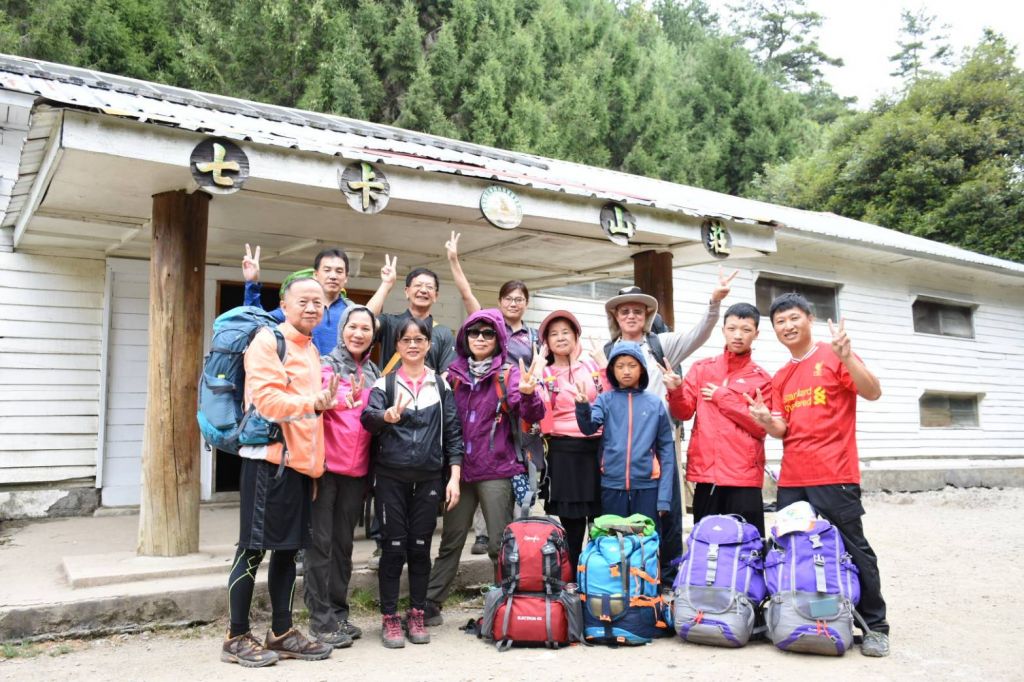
point(814, 411)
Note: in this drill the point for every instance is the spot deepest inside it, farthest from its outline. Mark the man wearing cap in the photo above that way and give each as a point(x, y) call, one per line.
point(630, 316)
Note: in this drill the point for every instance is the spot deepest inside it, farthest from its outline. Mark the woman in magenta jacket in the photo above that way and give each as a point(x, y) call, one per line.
point(338, 504)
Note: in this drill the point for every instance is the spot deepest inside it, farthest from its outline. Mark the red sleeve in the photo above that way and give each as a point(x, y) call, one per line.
point(682, 401)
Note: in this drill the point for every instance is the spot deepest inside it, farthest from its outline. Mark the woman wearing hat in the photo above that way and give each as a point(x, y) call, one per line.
point(573, 465)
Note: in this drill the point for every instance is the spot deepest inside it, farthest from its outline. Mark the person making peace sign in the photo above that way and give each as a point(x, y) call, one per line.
point(413, 414)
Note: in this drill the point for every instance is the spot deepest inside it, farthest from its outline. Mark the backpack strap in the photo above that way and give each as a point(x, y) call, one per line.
point(551, 382)
point(595, 374)
point(501, 388)
point(392, 363)
point(657, 352)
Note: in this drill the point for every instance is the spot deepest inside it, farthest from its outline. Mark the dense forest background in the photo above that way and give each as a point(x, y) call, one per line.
point(666, 89)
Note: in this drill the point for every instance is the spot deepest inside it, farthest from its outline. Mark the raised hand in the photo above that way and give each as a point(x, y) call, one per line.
point(528, 377)
point(251, 264)
point(393, 414)
point(724, 283)
point(758, 410)
point(452, 246)
point(708, 391)
point(597, 352)
point(389, 271)
point(581, 393)
point(840, 340)
point(328, 397)
point(352, 399)
point(671, 380)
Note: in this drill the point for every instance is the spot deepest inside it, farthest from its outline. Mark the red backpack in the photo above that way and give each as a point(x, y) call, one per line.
point(534, 556)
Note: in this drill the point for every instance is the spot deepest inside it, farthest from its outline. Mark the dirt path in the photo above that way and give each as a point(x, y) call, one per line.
point(950, 575)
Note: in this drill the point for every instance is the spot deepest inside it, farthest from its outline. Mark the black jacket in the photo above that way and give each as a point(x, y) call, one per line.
point(427, 438)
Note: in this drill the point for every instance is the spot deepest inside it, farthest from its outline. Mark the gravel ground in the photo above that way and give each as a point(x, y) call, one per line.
point(950, 577)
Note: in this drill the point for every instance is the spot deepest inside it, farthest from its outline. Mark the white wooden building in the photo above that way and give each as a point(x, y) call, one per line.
point(82, 154)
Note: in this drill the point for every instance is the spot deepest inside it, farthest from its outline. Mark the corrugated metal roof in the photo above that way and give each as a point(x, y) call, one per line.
point(337, 136)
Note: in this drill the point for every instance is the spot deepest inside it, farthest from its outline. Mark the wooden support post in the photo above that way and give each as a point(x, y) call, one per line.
point(169, 513)
point(652, 272)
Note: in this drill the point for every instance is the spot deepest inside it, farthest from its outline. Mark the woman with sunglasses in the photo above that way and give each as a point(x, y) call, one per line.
point(573, 486)
point(492, 393)
point(412, 413)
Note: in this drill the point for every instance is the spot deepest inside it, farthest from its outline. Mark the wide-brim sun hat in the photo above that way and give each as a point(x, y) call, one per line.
point(542, 330)
point(637, 296)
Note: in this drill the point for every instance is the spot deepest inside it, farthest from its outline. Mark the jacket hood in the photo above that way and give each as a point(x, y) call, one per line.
point(493, 318)
point(614, 302)
point(633, 350)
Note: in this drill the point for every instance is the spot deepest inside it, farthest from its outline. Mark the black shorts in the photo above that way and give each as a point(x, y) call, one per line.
point(275, 511)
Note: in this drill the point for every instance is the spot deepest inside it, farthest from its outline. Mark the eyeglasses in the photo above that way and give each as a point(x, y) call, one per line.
point(487, 334)
point(424, 286)
point(514, 300)
point(413, 340)
point(635, 312)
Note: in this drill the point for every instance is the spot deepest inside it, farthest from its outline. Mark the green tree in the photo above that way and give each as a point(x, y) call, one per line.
point(946, 162)
point(782, 36)
point(921, 46)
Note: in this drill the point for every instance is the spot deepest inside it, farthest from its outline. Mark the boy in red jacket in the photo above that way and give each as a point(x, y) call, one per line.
point(725, 459)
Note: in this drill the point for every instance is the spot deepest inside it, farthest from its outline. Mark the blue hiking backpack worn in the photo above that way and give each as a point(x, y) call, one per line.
point(720, 583)
point(814, 587)
point(620, 582)
point(223, 421)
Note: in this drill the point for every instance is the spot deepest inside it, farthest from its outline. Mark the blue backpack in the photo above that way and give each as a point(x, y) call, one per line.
point(620, 582)
point(224, 423)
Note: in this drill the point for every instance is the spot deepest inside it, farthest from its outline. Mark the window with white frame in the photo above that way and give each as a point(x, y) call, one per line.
point(949, 410)
point(943, 318)
point(821, 295)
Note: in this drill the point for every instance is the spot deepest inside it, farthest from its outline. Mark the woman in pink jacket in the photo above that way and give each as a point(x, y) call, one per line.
point(573, 490)
point(338, 504)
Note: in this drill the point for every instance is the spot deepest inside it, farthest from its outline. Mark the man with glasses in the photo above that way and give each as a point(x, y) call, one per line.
point(421, 290)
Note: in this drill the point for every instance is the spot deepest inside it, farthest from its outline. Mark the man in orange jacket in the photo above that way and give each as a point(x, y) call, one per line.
point(725, 459)
point(275, 485)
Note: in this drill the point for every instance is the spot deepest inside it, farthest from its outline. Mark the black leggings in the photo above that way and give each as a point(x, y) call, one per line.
point(575, 532)
point(280, 583)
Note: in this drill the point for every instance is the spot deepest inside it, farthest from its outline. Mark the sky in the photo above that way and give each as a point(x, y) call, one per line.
point(864, 33)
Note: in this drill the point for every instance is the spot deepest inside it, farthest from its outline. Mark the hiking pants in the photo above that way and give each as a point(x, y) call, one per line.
point(328, 564)
point(748, 502)
point(840, 504)
point(495, 501)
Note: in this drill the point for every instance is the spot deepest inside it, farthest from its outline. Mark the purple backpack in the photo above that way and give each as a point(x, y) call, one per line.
point(720, 582)
point(814, 587)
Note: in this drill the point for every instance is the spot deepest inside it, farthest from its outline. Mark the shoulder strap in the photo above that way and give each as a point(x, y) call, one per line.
point(392, 363)
point(282, 349)
point(389, 389)
point(656, 350)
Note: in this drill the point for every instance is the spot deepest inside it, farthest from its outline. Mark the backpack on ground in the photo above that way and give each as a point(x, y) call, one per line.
point(534, 603)
point(620, 582)
point(720, 583)
point(223, 421)
point(814, 587)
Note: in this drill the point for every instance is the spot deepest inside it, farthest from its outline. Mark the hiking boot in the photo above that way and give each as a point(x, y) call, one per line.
point(294, 644)
point(875, 644)
point(246, 651)
point(479, 545)
point(353, 631)
point(415, 628)
point(374, 563)
point(432, 614)
point(337, 639)
point(391, 634)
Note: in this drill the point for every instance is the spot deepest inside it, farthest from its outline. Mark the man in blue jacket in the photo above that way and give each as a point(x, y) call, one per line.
point(638, 463)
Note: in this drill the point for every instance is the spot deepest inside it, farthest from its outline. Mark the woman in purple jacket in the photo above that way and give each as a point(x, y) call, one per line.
point(491, 394)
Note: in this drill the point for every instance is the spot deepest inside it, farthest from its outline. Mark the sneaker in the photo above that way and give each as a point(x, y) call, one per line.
point(875, 644)
point(300, 562)
point(432, 614)
point(337, 639)
point(294, 644)
point(353, 631)
point(374, 563)
point(246, 651)
point(391, 632)
point(415, 628)
point(479, 545)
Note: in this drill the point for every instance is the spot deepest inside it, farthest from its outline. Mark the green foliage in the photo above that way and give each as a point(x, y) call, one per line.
point(654, 90)
point(946, 162)
point(921, 46)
